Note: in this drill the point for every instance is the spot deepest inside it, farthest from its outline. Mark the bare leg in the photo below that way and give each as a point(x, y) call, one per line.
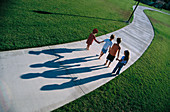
point(87, 46)
point(106, 62)
point(101, 54)
point(109, 64)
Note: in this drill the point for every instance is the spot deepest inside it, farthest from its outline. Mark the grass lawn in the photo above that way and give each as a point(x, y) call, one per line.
point(144, 87)
point(33, 23)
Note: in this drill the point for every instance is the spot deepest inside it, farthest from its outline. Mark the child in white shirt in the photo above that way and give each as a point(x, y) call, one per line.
point(108, 43)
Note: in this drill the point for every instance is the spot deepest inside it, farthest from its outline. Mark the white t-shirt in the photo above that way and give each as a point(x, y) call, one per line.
point(107, 44)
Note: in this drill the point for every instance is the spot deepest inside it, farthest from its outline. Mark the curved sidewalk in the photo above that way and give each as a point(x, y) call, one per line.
point(46, 78)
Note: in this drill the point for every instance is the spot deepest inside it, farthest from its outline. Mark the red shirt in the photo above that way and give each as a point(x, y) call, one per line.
point(91, 38)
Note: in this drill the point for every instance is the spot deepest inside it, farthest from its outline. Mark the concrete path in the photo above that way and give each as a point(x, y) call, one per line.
point(46, 78)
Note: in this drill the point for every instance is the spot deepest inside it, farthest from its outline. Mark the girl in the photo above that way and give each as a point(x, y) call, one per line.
point(91, 38)
point(121, 63)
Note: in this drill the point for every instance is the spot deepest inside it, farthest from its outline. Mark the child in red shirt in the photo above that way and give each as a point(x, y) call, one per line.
point(91, 38)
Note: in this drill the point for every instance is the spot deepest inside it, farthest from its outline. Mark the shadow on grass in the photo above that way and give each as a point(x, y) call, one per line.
point(3, 3)
point(73, 15)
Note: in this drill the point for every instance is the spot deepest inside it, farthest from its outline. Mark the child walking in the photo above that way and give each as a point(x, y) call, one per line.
point(112, 52)
point(108, 44)
point(121, 62)
point(91, 38)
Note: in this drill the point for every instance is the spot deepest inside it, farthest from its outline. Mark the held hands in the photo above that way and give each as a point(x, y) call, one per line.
point(99, 42)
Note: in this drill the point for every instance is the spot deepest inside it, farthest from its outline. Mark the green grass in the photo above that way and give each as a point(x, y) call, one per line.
point(144, 87)
point(23, 28)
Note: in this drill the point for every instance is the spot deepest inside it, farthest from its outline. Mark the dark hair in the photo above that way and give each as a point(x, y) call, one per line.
point(95, 30)
point(119, 40)
point(126, 55)
point(112, 36)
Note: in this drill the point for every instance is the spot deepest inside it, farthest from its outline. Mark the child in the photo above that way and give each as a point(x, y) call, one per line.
point(121, 62)
point(91, 38)
point(108, 44)
point(112, 51)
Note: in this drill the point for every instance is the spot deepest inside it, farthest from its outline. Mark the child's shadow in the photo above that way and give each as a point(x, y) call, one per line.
point(56, 64)
point(74, 82)
point(64, 68)
point(57, 73)
point(55, 51)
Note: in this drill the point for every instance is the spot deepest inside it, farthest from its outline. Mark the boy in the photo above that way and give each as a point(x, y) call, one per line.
point(112, 52)
point(108, 44)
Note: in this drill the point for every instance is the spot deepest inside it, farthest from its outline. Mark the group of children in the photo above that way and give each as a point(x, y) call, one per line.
point(113, 49)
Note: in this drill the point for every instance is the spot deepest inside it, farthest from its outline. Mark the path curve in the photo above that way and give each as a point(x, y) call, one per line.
point(46, 78)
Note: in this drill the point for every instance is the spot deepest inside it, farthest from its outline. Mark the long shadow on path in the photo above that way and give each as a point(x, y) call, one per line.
point(56, 73)
point(55, 64)
point(64, 69)
point(55, 51)
point(74, 82)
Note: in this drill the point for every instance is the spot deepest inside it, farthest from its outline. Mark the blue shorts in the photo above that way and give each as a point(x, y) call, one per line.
point(104, 50)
